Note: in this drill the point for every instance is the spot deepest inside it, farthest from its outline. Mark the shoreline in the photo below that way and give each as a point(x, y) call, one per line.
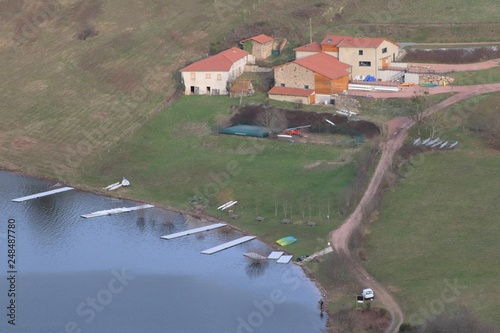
point(325, 294)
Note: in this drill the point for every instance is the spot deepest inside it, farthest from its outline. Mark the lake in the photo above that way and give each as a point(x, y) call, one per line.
point(115, 273)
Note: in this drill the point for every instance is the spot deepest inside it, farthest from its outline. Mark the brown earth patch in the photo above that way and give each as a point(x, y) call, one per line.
point(360, 320)
point(452, 56)
point(343, 160)
point(248, 114)
point(23, 142)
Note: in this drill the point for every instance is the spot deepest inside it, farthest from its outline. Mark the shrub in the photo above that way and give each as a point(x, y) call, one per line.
point(87, 32)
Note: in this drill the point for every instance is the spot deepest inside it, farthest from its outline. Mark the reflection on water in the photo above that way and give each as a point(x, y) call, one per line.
point(134, 280)
point(256, 269)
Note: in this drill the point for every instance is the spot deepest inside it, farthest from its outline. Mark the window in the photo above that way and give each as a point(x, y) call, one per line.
point(219, 77)
point(365, 64)
point(360, 52)
point(384, 50)
point(208, 76)
point(282, 85)
point(306, 86)
point(193, 76)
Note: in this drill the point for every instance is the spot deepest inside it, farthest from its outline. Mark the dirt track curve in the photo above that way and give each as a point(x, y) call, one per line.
point(398, 130)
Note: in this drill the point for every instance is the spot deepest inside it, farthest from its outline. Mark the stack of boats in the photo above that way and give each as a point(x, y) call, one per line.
point(435, 143)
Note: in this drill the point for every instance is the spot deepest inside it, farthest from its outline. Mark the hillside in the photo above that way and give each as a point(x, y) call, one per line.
point(82, 74)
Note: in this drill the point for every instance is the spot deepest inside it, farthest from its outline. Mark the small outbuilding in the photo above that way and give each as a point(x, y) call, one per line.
point(261, 46)
point(294, 95)
point(241, 87)
point(246, 130)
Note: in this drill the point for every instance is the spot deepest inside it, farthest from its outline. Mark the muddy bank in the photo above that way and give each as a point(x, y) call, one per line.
point(452, 56)
point(248, 115)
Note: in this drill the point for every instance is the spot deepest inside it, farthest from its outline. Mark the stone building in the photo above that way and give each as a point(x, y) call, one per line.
point(320, 73)
point(261, 46)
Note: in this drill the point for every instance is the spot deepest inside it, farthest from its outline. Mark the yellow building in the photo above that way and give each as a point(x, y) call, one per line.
point(367, 56)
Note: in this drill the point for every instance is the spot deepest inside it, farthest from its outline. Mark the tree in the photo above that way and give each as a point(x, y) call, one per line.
point(436, 122)
point(419, 103)
point(486, 124)
point(272, 119)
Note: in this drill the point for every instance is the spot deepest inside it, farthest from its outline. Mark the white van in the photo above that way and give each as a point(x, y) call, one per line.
point(368, 294)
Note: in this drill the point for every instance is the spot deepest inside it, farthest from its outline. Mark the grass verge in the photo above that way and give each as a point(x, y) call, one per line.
point(477, 77)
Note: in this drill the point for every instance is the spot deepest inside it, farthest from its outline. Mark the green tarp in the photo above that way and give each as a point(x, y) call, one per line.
point(246, 130)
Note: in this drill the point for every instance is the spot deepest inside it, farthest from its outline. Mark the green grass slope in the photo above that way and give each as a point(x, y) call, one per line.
point(435, 243)
point(68, 100)
point(175, 157)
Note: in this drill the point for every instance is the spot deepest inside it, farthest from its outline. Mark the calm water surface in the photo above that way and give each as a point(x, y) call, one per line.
point(115, 274)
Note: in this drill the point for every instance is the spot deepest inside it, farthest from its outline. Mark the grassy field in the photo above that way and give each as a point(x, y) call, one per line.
point(477, 77)
point(425, 11)
point(450, 46)
point(435, 241)
point(174, 159)
point(384, 109)
point(70, 100)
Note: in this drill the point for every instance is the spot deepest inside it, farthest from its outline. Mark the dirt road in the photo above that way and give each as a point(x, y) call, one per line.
point(398, 130)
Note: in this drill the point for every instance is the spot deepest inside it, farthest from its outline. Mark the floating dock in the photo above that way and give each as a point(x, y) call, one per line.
point(194, 231)
point(115, 211)
point(275, 255)
point(228, 245)
point(254, 256)
point(285, 259)
point(42, 194)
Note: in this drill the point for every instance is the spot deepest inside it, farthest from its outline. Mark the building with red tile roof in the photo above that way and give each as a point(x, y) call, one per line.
point(261, 46)
point(307, 50)
point(366, 55)
point(320, 73)
point(324, 64)
point(211, 75)
point(296, 95)
point(261, 39)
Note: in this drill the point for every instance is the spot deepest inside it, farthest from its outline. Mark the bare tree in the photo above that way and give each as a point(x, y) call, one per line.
point(436, 122)
point(272, 119)
point(419, 103)
point(486, 124)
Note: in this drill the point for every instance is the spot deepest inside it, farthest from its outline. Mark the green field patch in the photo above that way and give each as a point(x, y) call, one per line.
point(477, 77)
point(438, 227)
point(178, 159)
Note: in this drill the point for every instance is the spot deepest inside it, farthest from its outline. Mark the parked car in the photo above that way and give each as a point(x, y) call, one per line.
point(368, 294)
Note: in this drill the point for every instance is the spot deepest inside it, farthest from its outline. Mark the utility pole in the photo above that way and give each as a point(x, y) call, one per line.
point(310, 31)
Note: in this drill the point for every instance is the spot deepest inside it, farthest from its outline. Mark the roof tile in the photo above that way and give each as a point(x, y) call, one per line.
point(261, 39)
point(221, 62)
point(324, 64)
point(311, 47)
point(276, 90)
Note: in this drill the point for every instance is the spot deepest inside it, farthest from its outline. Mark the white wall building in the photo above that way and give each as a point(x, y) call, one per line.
point(210, 76)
